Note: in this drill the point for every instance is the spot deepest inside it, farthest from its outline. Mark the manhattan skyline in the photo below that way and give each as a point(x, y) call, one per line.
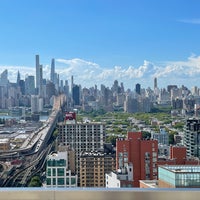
point(129, 41)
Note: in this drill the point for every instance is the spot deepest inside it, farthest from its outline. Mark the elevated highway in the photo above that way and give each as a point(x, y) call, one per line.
point(35, 148)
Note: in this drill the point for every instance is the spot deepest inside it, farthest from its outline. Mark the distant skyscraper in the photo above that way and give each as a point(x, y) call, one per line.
point(72, 84)
point(36, 104)
point(138, 88)
point(76, 95)
point(115, 87)
point(30, 85)
point(170, 87)
point(57, 81)
point(41, 82)
point(66, 88)
point(37, 73)
point(22, 86)
point(52, 78)
point(4, 78)
point(122, 88)
point(18, 78)
point(61, 86)
point(155, 83)
point(50, 91)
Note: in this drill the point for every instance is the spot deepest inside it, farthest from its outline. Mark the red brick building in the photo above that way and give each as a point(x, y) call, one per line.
point(142, 154)
point(178, 156)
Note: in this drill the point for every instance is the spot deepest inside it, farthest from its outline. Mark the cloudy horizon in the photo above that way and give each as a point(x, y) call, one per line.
point(87, 73)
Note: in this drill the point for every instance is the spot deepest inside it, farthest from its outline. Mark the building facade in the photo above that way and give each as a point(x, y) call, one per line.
point(162, 136)
point(192, 137)
point(121, 178)
point(81, 136)
point(37, 67)
point(94, 166)
point(142, 154)
point(57, 171)
point(30, 85)
point(179, 176)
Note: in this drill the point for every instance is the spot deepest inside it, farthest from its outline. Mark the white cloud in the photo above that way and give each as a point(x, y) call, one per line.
point(190, 21)
point(89, 73)
point(189, 68)
point(13, 70)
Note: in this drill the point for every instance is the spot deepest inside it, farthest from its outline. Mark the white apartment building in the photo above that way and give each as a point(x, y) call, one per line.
point(57, 171)
point(122, 178)
point(112, 180)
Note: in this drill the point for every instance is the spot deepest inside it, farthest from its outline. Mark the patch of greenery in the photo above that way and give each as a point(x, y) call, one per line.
point(35, 182)
point(146, 135)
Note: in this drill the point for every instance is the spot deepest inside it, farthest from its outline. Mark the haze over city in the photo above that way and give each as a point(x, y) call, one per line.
point(100, 41)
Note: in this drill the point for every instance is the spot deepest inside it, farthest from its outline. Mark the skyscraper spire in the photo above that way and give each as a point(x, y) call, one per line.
point(18, 78)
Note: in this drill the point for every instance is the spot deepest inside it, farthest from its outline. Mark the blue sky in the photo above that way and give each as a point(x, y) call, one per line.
point(107, 33)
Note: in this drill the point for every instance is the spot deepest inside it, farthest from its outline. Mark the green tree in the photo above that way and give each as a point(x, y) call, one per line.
point(112, 139)
point(146, 135)
point(35, 182)
point(179, 125)
point(55, 133)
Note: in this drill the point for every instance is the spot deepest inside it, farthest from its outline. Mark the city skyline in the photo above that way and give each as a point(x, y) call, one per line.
point(88, 74)
point(131, 41)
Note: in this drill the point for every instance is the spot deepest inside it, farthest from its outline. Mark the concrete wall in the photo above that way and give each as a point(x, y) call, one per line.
point(97, 194)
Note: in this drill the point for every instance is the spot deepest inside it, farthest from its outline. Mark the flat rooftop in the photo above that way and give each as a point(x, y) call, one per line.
point(182, 168)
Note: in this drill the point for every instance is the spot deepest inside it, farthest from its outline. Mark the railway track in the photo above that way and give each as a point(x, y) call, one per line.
point(21, 177)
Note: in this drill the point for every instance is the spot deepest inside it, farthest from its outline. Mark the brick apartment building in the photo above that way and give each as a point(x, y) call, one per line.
point(142, 155)
point(94, 166)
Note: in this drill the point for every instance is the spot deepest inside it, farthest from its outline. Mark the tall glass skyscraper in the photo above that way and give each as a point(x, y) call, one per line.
point(52, 78)
point(37, 73)
point(30, 85)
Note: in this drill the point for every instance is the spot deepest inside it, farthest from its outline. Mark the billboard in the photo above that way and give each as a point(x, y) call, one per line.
point(70, 116)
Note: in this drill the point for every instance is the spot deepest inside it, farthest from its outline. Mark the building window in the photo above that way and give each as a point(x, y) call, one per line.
point(54, 181)
point(73, 181)
point(54, 172)
point(60, 172)
point(154, 154)
point(48, 181)
point(61, 181)
point(48, 172)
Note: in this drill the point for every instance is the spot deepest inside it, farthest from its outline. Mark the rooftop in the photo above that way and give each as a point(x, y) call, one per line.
point(182, 168)
point(150, 183)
